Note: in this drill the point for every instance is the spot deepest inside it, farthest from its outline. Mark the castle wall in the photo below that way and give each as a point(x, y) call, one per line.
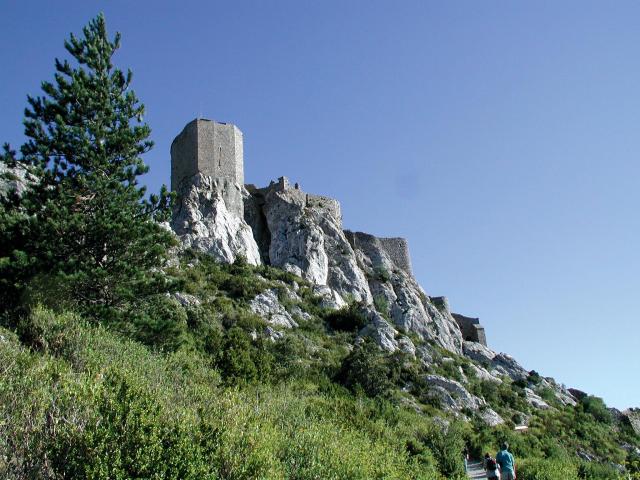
point(396, 249)
point(184, 155)
point(471, 329)
point(211, 148)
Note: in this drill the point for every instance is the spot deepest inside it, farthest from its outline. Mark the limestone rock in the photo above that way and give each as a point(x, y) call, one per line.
point(209, 217)
point(561, 393)
point(479, 353)
point(380, 331)
point(186, 300)
point(484, 375)
point(268, 307)
point(457, 397)
point(535, 400)
point(632, 415)
point(272, 334)
point(425, 355)
point(329, 298)
point(490, 417)
point(14, 179)
point(409, 307)
point(508, 365)
point(306, 238)
point(406, 345)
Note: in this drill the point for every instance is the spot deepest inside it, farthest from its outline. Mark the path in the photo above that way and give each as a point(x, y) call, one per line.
point(476, 470)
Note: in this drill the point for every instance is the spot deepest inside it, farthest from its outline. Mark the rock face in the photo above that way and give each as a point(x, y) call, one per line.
point(208, 217)
point(13, 180)
point(302, 233)
point(633, 417)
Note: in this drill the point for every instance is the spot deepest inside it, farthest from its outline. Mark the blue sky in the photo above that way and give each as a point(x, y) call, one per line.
point(500, 138)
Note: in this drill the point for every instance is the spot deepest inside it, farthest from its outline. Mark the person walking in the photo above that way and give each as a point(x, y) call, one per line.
point(465, 455)
point(491, 466)
point(507, 463)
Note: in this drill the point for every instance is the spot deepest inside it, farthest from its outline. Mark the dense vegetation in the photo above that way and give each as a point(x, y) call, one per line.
point(129, 380)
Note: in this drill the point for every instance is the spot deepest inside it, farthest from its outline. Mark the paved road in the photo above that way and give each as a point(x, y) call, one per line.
point(475, 470)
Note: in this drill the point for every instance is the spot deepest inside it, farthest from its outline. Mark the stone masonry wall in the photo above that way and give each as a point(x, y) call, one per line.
point(208, 147)
point(471, 329)
point(397, 249)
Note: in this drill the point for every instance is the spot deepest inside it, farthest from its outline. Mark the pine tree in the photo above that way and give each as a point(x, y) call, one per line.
point(85, 223)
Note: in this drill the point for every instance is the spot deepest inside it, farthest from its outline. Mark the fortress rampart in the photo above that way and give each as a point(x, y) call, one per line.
point(396, 249)
point(471, 329)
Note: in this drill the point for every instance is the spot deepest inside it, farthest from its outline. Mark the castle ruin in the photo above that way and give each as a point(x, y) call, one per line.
point(215, 150)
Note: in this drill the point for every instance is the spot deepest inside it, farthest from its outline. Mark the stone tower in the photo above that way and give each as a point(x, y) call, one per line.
point(209, 147)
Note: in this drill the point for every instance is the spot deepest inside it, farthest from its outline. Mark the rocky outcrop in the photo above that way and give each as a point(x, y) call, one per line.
point(306, 238)
point(632, 416)
point(507, 365)
point(380, 331)
point(452, 394)
point(269, 308)
point(13, 180)
point(490, 417)
point(395, 289)
point(209, 217)
point(535, 400)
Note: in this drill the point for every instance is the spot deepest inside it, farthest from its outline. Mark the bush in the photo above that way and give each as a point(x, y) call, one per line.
point(366, 369)
point(546, 469)
point(598, 471)
point(596, 407)
point(347, 319)
point(159, 322)
point(382, 274)
point(128, 438)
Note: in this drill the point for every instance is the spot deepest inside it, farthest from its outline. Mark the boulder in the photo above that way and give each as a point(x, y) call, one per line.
point(490, 417)
point(272, 334)
point(329, 298)
point(507, 365)
point(186, 300)
point(484, 375)
point(479, 353)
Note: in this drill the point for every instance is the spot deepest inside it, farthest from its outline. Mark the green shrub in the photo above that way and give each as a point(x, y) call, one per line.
point(596, 407)
point(366, 369)
point(382, 274)
point(128, 438)
point(348, 318)
point(159, 322)
point(598, 471)
point(382, 305)
point(546, 469)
